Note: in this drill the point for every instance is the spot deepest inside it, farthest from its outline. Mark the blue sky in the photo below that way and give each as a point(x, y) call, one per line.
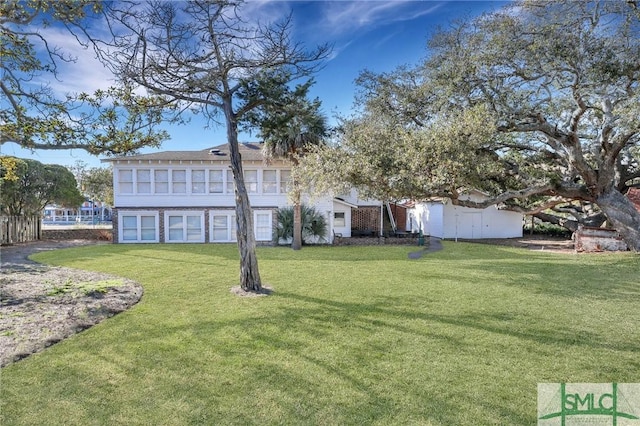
point(374, 35)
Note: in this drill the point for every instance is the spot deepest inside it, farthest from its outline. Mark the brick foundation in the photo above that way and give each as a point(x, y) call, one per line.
point(598, 239)
point(77, 234)
point(374, 241)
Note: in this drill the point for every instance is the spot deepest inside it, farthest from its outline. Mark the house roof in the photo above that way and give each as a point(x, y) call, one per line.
point(634, 195)
point(250, 151)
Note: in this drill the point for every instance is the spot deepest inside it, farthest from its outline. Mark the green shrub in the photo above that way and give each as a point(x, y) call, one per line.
point(314, 226)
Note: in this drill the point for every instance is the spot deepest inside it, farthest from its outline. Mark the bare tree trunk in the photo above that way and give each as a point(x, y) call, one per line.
point(249, 273)
point(622, 215)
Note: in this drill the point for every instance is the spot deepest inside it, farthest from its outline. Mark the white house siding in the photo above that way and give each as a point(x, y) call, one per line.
point(186, 201)
point(469, 223)
point(326, 207)
point(138, 192)
point(354, 198)
point(462, 222)
point(340, 219)
point(426, 218)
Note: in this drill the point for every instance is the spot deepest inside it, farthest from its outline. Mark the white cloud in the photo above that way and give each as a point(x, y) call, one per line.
point(337, 49)
point(342, 22)
point(342, 18)
point(333, 21)
point(338, 22)
point(85, 74)
point(265, 11)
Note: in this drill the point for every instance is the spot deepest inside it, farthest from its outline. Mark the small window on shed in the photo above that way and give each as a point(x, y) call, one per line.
point(338, 219)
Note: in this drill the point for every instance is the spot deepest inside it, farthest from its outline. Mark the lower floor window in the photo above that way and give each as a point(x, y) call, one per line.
point(184, 227)
point(188, 226)
point(263, 225)
point(139, 227)
point(223, 226)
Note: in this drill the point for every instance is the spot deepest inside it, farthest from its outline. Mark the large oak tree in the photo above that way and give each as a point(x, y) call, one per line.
point(537, 104)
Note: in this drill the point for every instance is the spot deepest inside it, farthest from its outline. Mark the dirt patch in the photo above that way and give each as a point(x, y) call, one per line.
point(238, 291)
point(41, 305)
point(531, 242)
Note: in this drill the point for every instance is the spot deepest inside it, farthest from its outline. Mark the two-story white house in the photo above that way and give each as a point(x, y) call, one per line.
point(188, 197)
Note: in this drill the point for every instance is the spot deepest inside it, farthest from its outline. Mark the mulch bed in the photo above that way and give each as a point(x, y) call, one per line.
point(41, 305)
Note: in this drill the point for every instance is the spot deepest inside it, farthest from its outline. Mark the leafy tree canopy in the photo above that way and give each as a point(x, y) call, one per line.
point(34, 115)
point(27, 186)
point(94, 182)
point(538, 105)
point(288, 122)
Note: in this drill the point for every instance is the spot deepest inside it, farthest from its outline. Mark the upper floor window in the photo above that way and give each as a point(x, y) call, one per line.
point(216, 181)
point(179, 181)
point(143, 181)
point(269, 182)
point(285, 181)
point(231, 185)
point(251, 181)
point(198, 182)
point(161, 181)
point(125, 181)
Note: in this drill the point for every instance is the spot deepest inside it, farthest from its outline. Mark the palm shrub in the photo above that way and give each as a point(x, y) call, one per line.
point(314, 225)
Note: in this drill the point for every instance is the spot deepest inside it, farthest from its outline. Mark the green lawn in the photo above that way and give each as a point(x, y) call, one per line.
point(351, 335)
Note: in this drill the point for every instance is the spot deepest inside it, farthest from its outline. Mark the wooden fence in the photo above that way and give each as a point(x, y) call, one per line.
point(20, 229)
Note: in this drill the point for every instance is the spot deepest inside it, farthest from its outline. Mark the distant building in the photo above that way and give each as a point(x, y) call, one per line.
point(89, 212)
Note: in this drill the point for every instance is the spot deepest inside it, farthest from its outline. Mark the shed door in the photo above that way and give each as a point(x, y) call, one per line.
point(471, 226)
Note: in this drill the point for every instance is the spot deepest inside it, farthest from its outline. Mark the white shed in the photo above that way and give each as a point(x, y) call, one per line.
point(440, 218)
